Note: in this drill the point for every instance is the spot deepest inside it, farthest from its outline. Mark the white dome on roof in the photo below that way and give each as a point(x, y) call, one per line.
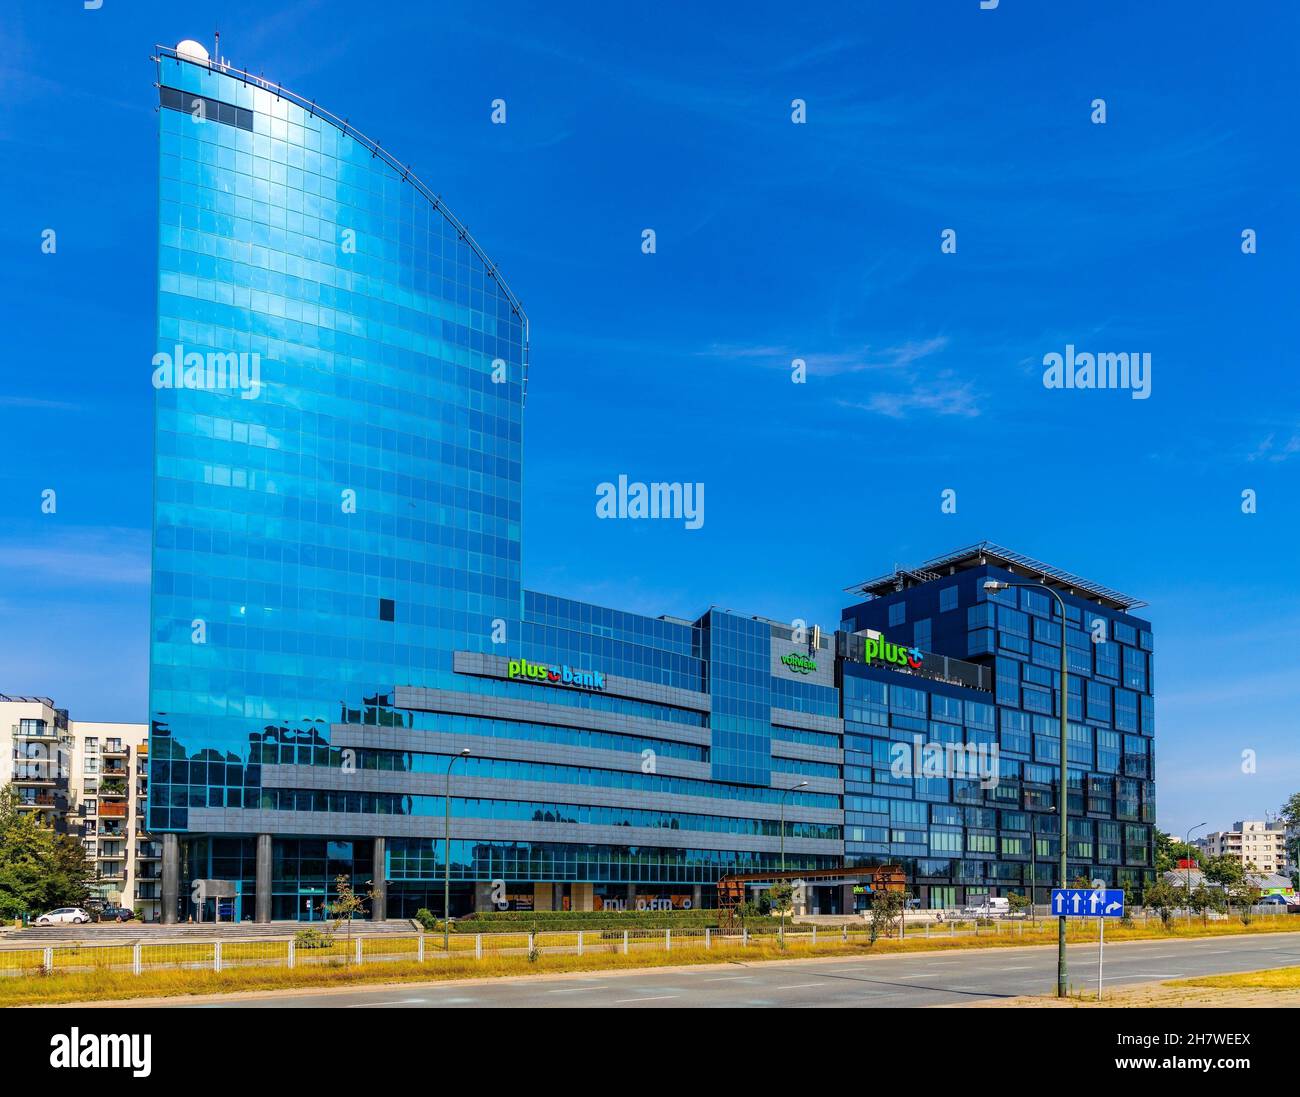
point(190, 48)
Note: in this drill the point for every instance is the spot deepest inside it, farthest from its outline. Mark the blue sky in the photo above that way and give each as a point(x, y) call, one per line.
point(775, 241)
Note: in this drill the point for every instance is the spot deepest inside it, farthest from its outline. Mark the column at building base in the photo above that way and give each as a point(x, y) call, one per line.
point(171, 876)
point(379, 904)
point(262, 886)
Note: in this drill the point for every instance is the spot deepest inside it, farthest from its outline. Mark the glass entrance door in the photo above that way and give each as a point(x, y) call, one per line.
point(311, 905)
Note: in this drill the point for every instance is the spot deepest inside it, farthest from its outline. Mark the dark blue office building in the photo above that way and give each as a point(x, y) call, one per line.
point(961, 838)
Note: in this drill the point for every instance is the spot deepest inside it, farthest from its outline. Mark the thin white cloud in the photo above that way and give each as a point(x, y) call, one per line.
point(1269, 450)
point(938, 394)
point(37, 402)
point(70, 556)
point(833, 363)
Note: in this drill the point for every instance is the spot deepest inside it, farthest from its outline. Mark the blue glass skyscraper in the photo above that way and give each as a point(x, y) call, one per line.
point(342, 639)
point(337, 524)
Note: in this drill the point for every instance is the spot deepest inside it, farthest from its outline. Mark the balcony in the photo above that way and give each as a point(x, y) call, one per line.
point(116, 791)
point(39, 776)
point(39, 803)
point(112, 811)
point(115, 751)
point(34, 732)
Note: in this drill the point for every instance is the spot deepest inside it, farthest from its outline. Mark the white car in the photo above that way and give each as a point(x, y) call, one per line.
point(75, 915)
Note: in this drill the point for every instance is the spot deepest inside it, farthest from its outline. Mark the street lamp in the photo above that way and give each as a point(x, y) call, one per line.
point(786, 793)
point(446, 866)
point(1033, 865)
point(1187, 842)
point(1064, 797)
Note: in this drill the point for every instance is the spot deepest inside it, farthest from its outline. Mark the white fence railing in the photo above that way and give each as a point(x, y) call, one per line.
point(141, 957)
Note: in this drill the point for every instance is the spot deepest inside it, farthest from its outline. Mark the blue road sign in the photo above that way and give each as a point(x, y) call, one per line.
point(1088, 902)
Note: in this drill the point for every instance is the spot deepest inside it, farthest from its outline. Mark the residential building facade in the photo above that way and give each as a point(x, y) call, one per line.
point(1258, 844)
point(89, 779)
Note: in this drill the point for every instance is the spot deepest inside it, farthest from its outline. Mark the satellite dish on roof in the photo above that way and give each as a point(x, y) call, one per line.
point(192, 49)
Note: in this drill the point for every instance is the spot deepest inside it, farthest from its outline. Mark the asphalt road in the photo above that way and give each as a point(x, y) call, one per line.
point(918, 979)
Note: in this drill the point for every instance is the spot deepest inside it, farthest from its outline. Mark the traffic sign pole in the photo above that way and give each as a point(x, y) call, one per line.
point(1101, 951)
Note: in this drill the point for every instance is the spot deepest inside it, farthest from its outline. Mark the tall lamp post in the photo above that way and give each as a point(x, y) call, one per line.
point(786, 793)
point(446, 859)
point(1033, 866)
point(1187, 842)
point(1063, 800)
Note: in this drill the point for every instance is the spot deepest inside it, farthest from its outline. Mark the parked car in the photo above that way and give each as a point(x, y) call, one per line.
point(116, 914)
point(75, 915)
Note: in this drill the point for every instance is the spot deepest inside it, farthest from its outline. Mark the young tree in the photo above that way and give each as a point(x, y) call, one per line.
point(347, 903)
point(886, 909)
point(780, 895)
point(1163, 899)
point(1208, 900)
point(1243, 895)
point(1225, 870)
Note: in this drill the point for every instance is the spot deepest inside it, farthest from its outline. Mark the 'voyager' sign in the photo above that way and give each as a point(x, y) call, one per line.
point(878, 649)
point(556, 676)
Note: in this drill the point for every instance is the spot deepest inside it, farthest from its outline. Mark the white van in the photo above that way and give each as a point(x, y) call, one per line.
point(991, 906)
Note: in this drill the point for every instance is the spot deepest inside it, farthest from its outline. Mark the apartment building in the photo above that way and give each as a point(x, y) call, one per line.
point(90, 779)
point(1253, 842)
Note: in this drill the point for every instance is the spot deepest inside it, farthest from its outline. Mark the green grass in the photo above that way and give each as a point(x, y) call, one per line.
point(1284, 978)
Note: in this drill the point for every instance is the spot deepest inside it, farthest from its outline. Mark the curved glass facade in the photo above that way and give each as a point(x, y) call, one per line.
point(347, 513)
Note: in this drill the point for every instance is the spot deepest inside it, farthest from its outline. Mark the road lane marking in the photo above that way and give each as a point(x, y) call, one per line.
point(659, 998)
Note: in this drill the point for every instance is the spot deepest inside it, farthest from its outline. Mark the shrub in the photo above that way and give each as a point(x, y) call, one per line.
point(312, 938)
point(425, 917)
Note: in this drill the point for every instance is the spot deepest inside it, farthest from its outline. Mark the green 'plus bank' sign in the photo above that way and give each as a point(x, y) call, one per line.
point(801, 664)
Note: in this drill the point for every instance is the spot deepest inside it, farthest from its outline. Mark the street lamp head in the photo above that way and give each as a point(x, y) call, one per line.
point(801, 784)
point(465, 753)
point(994, 585)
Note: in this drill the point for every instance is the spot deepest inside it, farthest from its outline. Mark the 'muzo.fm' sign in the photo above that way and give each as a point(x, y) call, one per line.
point(556, 676)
